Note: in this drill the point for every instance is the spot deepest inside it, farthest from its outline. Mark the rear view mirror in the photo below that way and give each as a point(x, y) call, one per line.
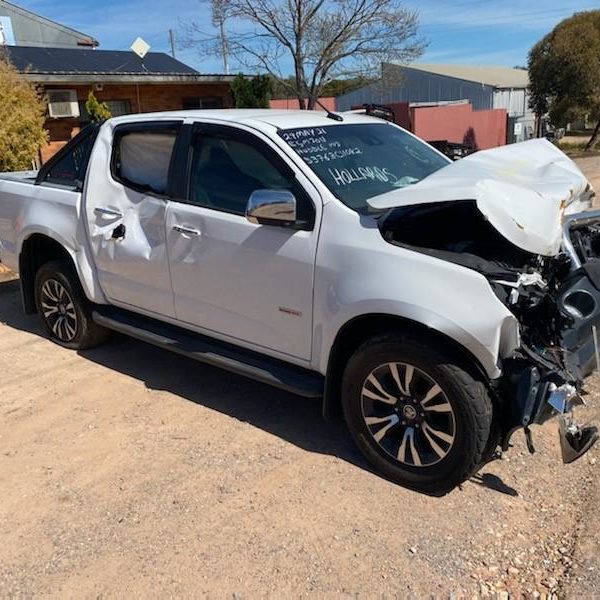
point(272, 207)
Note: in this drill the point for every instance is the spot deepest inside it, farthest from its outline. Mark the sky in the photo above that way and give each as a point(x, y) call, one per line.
point(457, 31)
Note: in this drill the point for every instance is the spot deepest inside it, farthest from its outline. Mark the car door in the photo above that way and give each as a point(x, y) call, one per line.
point(126, 209)
point(250, 283)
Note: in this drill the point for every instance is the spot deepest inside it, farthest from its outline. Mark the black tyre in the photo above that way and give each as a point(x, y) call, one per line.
point(416, 412)
point(63, 308)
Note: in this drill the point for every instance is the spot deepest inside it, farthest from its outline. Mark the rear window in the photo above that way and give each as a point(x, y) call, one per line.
point(142, 157)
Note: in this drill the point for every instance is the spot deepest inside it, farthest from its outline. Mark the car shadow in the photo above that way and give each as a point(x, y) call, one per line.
point(297, 420)
point(294, 419)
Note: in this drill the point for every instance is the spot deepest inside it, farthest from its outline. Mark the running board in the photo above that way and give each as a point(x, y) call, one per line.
point(213, 352)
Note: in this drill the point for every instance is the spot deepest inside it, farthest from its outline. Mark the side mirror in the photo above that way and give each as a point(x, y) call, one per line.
point(272, 207)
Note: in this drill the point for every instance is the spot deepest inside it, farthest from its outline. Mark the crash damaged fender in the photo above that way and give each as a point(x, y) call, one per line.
point(363, 275)
point(523, 190)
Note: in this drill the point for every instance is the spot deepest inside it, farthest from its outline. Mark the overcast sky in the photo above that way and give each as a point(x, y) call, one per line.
point(460, 31)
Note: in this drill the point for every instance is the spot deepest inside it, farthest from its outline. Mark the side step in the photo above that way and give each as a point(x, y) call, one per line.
point(213, 352)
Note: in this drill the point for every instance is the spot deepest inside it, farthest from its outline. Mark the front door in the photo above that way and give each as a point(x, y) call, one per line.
point(250, 283)
point(126, 211)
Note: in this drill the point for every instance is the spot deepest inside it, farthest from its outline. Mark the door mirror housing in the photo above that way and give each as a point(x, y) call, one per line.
point(272, 207)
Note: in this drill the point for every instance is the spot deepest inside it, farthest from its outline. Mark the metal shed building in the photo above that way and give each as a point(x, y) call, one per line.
point(485, 87)
point(21, 27)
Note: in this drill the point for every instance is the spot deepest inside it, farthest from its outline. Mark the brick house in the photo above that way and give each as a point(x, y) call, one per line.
point(125, 82)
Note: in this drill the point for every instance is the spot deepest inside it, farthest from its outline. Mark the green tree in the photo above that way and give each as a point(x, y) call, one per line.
point(251, 92)
point(22, 116)
point(97, 111)
point(564, 70)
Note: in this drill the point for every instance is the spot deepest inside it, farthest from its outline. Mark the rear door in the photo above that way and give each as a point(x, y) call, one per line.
point(126, 206)
point(247, 282)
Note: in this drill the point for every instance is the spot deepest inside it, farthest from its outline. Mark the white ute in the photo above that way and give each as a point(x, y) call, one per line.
point(439, 306)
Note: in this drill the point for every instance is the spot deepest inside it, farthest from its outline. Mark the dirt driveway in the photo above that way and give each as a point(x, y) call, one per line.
point(129, 470)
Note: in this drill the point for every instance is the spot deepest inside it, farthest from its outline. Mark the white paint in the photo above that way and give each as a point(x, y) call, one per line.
point(523, 189)
point(231, 280)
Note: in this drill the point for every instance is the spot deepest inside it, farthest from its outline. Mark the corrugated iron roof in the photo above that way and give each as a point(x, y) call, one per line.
point(74, 61)
point(83, 37)
point(502, 77)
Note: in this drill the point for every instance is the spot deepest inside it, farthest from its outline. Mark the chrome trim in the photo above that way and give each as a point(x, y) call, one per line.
point(271, 207)
point(108, 212)
point(578, 219)
point(185, 230)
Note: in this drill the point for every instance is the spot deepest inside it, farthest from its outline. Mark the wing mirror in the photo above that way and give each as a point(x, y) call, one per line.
point(272, 207)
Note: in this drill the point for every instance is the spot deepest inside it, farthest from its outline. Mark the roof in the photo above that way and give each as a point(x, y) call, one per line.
point(75, 65)
point(259, 118)
point(501, 77)
point(47, 61)
point(19, 12)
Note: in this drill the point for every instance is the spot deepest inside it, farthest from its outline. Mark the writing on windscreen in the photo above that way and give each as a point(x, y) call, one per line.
point(318, 149)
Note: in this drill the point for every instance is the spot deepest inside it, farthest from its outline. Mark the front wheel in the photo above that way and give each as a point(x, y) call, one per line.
point(416, 412)
point(64, 309)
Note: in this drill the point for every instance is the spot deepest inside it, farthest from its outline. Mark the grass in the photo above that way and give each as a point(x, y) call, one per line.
point(577, 150)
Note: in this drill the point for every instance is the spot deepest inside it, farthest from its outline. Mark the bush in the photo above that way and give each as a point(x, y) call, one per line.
point(22, 116)
point(98, 111)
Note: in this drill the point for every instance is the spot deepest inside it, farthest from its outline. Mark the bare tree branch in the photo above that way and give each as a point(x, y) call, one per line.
point(321, 39)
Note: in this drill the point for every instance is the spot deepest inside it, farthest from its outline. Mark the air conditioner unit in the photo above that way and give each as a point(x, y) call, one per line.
point(63, 103)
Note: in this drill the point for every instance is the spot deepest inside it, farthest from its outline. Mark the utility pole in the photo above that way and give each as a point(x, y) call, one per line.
point(172, 42)
point(224, 48)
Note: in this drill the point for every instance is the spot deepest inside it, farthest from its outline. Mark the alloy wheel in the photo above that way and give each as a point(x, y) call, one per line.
point(408, 414)
point(58, 310)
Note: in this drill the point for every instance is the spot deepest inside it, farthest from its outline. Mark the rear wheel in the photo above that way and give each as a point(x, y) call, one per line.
point(64, 309)
point(416, 412)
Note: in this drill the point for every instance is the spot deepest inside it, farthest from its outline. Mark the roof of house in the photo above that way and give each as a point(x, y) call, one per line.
point(501, 77)
point(19, 12)
point(74, 65)
point(47, 61)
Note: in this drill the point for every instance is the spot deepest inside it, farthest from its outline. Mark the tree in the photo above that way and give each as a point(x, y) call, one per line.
point(564, 71)
point(251, 93)
point(22, 116)
point(97, 111)
point(322, 40)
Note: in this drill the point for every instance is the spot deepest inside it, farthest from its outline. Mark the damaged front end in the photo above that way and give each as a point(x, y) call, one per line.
point(555, 298)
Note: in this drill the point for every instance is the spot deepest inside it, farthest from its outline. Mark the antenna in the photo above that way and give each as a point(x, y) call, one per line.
point(141, 48)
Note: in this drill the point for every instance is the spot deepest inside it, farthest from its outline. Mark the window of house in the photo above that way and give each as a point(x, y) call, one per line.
point(116, 107)
point(196, 102)
point(142, 155)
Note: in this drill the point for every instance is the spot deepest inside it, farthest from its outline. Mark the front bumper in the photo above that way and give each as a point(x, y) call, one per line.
point(543, 391)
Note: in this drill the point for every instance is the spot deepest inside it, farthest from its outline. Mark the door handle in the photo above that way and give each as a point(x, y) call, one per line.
point(109, 212)
point(185, 230)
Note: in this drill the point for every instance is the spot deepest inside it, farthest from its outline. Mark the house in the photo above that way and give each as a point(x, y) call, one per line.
point(66, 65)
point(484, 87)
point(125, 82)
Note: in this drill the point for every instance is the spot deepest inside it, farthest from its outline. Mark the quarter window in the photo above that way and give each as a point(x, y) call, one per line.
point(68, 167)
point(142, 156)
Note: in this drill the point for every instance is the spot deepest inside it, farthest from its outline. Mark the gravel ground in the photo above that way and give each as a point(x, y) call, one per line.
point(129, 470)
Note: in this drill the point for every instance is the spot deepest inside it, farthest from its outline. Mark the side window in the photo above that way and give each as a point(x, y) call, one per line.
point(142, 156)
point(227, 167)
point(70, 167)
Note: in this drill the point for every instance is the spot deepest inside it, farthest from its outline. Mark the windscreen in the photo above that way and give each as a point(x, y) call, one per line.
point(359, 161)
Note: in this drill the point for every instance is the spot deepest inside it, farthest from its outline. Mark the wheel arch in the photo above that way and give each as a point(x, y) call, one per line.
point(359, 329)
point(37, 250)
